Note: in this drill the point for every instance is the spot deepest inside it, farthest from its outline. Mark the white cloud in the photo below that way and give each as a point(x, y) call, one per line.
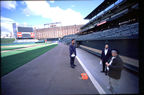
point(4, 19)
point(73, 6)
point(56, 14)
point(25, 24)
point(8, 4)
point(6, 25)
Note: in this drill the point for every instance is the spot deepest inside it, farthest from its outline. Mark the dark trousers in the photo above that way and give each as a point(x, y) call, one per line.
point(104, 66)
point(72, 60)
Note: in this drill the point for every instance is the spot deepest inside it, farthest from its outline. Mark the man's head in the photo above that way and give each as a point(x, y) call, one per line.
point(106, 46)
point(114, 53)
point(73, 41)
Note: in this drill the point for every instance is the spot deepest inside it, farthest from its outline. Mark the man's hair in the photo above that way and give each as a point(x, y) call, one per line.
point(107, 44)
point(115, 50)
point(72, 39)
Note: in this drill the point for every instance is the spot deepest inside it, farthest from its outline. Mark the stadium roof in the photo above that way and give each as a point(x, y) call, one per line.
point(101, 7)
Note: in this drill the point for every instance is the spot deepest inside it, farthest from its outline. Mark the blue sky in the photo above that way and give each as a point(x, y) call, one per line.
point(37, 13)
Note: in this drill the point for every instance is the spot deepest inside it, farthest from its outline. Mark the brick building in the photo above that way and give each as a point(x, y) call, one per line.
point(56, 32)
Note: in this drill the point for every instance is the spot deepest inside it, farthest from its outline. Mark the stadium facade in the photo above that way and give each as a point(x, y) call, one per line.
point(56, 32)
point(114, 22)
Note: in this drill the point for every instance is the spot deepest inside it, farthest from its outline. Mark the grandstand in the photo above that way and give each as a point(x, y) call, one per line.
point(123, 32)
point(115, 22)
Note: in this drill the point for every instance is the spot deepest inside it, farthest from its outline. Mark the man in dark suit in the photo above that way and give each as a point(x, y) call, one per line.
point(72, 50)
point(106, 54)
point(114, 67)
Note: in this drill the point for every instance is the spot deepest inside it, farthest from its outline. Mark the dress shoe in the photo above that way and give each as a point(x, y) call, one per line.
point(72, 66)
point(102, 71)
point(75, 65)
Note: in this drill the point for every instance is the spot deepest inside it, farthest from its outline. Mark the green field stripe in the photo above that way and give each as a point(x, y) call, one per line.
point(12, 62)
point(24, 44)
point(9, 53)
point(11, 48)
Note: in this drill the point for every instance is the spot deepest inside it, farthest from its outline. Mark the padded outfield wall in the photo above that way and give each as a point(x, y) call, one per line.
point(126, 47)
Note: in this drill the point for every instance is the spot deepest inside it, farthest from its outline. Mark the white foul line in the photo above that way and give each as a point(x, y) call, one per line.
point(96, 84)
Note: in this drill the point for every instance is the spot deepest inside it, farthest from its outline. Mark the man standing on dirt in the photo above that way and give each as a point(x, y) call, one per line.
point(72, 50)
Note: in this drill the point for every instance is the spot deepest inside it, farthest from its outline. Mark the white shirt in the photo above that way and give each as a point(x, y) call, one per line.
point(106, 50)
point(111, 62)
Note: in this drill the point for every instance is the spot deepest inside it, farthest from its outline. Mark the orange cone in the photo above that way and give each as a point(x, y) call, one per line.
point(84, 76)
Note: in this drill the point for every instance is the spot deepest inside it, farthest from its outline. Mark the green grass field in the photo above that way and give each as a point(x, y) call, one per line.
point(10, 48)
point(24, 44)
point(4, 54)
point(14, 59)
point(7, 40)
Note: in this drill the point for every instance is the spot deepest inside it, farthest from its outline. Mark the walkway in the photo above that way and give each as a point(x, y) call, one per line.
point(129, 83)
point(49, 73)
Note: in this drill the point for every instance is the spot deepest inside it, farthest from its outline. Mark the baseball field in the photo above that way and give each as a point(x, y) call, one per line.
point(14, 56)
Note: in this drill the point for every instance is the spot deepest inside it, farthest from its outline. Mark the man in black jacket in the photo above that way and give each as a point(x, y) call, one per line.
point(72, 50)
point(106, 54)
point(114, 67)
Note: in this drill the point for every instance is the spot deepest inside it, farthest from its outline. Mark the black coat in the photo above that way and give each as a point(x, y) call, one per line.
point(115, 68)
point(72, 49)
point(106, 57)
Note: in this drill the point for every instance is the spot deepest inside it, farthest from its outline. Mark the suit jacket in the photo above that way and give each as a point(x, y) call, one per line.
point(72, 49)
point(106, 57)
point(115, 68)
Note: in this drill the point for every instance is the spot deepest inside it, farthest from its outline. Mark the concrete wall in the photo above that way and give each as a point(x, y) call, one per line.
point(126, 47)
